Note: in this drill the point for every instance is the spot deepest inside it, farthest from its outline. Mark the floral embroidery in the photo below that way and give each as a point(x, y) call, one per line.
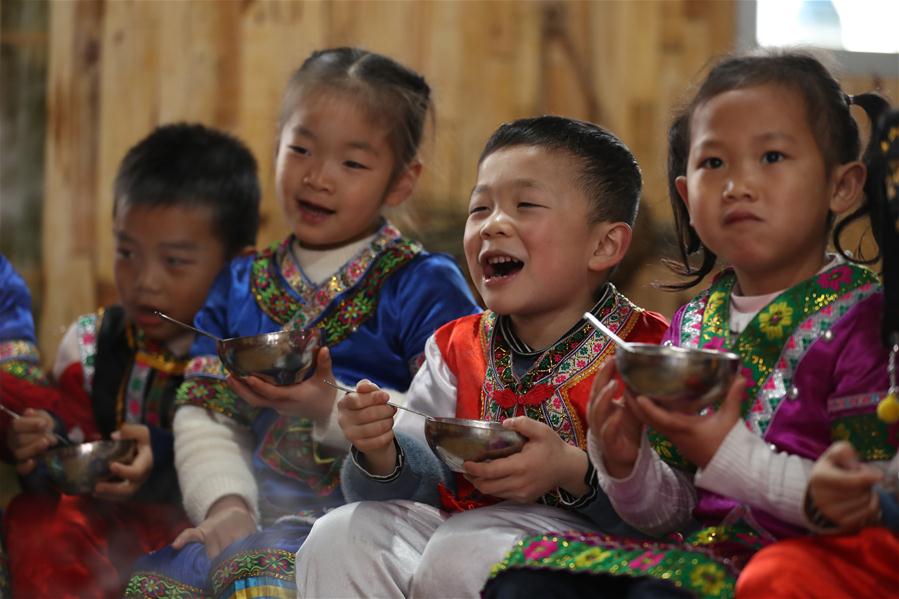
point(708, 578)
point(835, 277)
point(775, 318)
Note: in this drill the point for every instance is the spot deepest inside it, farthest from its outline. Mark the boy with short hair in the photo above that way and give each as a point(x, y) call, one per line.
point(186, 202)
point(549, 219)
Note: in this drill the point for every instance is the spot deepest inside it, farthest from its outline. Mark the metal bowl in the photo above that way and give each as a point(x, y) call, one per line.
point(458, 440)
point(281, 358)
point(683, 379)
point(76, 469)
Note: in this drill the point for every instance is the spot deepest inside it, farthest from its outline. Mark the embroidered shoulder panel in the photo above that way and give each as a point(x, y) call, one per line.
point(555, 372)
point(289, 449)
point(212, 394)
point(775, 341)
point(282, 293)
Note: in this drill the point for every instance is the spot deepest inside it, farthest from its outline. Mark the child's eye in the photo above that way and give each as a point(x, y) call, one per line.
point(528, 205)
point(476, 209)
point(176, 262)
point(355, 165)
point(712, 162)
point(772, 157)
point(123, 253)
point(298, 150)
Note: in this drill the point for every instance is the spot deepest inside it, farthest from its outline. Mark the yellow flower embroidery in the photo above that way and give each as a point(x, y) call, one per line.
point(715, 301)
point(775, 318)
point(708, 578)
point(592, 555)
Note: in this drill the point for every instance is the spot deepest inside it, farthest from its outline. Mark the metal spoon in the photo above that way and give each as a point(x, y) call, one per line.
point(62, 440)
point(389, 403)
point(598, 325)
point(185, 325)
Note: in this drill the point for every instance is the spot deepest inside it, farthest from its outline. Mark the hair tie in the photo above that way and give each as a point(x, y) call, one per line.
point(849, 99)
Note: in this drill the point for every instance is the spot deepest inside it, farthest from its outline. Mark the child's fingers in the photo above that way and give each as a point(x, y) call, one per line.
point(136, 470)
point(189, 535)
point(664, 421)
point(31, 425)
point(493, 469)
point(602, 405)
point(374, 443)
point(323, 364)
point(29, 450)
point(731, 406)
point(25, 467)
point(114, 491)
point(606, 373)
point(366, 386)
point(362, 401)
point(842, 454)
point(530, 428)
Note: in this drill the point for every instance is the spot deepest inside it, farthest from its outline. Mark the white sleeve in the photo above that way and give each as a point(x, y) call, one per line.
point(213, 458)
point(745, 468)
point(666, 508)
point(433, 392)
point(68, 353)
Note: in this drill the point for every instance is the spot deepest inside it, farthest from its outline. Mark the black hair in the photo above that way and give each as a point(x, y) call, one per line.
point(194, 166)
point(394, 96)
point(827, 109)
point(610, 176)
point(882, 203)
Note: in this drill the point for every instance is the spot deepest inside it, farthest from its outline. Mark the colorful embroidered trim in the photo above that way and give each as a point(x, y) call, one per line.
point(277, 300)
point(212, 394)
point(289, 449)
point(150, 585)
point(26, 371)
point(774, 342)
point(557, 370)
point(871, 437)
point(21, 351)
point(208, 366)
point(86, 333)
point(260, 573)
point(706, 563)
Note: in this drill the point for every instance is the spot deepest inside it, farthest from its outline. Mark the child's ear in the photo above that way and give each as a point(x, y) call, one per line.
point(610, 245)
point(680, 184)
point(848, 181)
point(403, 184)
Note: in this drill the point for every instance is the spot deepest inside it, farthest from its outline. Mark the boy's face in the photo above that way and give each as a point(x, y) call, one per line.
point(166, 260)
point(528, 241)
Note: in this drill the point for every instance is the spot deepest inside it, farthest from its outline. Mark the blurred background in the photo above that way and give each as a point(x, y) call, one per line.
point(84, 80)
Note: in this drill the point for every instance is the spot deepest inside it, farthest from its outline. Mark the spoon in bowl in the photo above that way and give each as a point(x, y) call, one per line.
point(331, 383)
point(185, 325)
point(599, 326)
point(63, 441)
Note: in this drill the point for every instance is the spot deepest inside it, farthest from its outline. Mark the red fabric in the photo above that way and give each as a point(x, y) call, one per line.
point(837, 567)
point(463, 346)
point(78, 546)
point(18, 395)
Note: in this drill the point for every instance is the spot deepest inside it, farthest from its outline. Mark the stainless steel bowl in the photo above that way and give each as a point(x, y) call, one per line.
point(280, 358)
point(77, 469)
point(683, 379)
point(457, 440)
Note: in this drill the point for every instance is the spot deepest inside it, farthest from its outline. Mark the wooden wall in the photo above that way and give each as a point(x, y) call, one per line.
point(117, 68)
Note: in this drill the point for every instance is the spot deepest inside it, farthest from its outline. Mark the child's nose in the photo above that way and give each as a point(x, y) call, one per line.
point(739, 185)
point(318, 178)
point(148, 278)
point(498, 223)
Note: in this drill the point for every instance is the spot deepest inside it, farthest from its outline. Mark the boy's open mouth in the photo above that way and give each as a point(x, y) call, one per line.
point(498, 267)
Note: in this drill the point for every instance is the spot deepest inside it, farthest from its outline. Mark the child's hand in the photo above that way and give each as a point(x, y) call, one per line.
point(311, 399)
point(29, 436)
point(367, 421)
point(613, 425)
point(134, 473)
point(228, 520)
point(545, 463)
point(696, 437)
point(841, 488)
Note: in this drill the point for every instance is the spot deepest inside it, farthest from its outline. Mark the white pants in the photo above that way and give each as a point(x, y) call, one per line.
point(401, 548)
